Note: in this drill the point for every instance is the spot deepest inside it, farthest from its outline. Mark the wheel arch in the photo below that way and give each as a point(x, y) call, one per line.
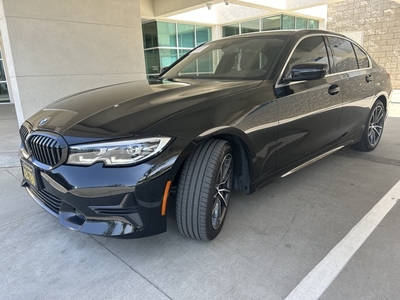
point(242, 166)
point(243, 154)
point(383, 97)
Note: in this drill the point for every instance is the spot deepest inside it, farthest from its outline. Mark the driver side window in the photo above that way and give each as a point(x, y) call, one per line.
point(311, 49)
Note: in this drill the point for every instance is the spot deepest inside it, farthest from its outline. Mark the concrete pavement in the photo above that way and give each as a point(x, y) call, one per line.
point(9, 137)
point(271, 240)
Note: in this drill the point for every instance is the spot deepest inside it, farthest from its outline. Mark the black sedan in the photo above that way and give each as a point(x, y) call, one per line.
point(234, 113)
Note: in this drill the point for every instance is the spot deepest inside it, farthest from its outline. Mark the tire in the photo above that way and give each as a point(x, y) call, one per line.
point(204, 190)
point(373, 128)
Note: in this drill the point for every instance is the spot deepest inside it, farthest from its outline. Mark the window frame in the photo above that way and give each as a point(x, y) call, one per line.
point(353, 43)
point(6, 79)
point(280, 82)
point(333, 55)
point(365, 53)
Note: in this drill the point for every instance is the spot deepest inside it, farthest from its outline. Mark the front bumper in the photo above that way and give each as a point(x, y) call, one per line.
point(108, 201)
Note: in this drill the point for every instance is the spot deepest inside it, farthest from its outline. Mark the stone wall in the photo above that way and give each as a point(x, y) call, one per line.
point(379, 20)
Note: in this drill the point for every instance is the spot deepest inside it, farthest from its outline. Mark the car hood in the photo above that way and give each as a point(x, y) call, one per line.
point(125, 109)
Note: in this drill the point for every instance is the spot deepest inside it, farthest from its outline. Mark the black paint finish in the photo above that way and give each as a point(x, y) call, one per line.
point(272, 124)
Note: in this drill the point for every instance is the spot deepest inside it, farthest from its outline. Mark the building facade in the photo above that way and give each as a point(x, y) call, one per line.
point(378, 23)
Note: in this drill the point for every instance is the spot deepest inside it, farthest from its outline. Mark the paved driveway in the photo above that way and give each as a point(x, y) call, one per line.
point(271, 241)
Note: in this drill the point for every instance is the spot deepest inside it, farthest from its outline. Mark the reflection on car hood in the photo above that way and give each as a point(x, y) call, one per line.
point(125, 109)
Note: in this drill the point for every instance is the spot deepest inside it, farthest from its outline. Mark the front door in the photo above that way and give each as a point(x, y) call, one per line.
point(309, 111)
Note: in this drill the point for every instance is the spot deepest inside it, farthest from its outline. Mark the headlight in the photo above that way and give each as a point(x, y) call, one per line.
point(116, 153)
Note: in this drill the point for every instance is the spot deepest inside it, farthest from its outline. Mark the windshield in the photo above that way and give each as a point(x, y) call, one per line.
point(237, 58)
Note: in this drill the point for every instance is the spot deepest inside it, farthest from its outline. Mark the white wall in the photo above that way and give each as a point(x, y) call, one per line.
point(53, 48)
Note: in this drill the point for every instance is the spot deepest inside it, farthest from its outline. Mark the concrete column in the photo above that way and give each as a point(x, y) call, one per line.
point(53, 48)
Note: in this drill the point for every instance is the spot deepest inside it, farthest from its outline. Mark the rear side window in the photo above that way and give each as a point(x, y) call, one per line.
point(311, 49)
point(362, 58)
point(344, 58)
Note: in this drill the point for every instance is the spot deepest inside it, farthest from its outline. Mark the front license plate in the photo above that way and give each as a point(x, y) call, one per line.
point(29, 174)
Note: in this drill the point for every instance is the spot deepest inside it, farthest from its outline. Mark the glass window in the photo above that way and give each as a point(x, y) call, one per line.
point(156, 59)
point(362, 58)
point(4, 96)
point(244, 58)
point(301, 23)
point(171, 40)
point(311, 49)
point(287, 22)
point(166, 34)
point(152, 59)
point(251, 26)
point(203, 65)
point(2, 72)
point(150, 35)
point(203, 34)
point(271, 23)
point(182, 52)
point(167, 57)
point(185, 36)
point(190, 69)
point(231, 29)
point(344, 58)
point(313, 24)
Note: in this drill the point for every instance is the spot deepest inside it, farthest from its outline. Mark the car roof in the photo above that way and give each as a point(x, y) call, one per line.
point(272, 33)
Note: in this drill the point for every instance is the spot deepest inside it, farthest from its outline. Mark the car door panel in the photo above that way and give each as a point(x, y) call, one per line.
point(309, 111)
point(353, 67)
point(308, 119)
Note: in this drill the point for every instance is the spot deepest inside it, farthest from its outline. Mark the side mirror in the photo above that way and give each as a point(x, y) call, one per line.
point(307, 71)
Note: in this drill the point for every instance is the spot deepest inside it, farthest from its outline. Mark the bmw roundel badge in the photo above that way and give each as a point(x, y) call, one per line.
point(44, 121)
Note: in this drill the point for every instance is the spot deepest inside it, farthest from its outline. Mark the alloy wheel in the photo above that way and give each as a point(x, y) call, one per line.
point(223, 191)
point(375, 126)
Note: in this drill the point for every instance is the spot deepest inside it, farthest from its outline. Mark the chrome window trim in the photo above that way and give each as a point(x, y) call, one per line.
point(359, 46)
point(278, 85)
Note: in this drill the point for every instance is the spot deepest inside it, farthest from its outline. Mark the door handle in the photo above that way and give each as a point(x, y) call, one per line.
point(368, 78)
point(334, 89)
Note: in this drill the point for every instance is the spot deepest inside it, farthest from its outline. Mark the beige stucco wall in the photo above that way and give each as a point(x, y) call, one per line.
point(53, 48)
point(379, 21)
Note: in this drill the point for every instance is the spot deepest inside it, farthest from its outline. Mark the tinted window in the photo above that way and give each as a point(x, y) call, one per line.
point(251, 26)
point(231, 29)
point(344, 57)
point(186, 35)
point(362, 58)
point(311, 49)
point(239, 58)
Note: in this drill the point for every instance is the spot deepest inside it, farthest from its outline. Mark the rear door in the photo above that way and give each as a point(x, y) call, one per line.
point(353, 66)
point(309, 111)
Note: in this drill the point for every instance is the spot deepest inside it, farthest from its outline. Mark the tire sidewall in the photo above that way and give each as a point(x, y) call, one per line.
point(211, 233)
point(365, 141)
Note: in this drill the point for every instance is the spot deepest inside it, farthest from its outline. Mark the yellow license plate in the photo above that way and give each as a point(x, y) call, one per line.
point(29, 174)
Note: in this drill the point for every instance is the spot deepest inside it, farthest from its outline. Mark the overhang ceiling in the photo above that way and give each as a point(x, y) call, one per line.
point(177, 9)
